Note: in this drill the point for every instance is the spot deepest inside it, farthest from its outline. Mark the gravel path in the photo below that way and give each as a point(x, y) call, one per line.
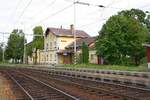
point(5, 91)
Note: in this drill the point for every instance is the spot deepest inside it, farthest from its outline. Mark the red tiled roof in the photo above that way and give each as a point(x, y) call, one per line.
point(66, 32)
point(79, 42)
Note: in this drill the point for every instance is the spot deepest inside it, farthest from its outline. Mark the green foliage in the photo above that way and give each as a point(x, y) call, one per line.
point(1, 53)
point(38, 40)
point(120, 39)
point(85, 53)
point(137, 14)
point(15, 46)
point(108, 67)
point(29, 49)
point(142, 17)
point(79, 58)
point(147, 22)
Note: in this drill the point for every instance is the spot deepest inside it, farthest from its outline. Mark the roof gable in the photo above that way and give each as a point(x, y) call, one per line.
point(79, 42)
point(66, 32)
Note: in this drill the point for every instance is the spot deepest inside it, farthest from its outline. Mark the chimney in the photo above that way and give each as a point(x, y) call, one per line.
point(72, 27)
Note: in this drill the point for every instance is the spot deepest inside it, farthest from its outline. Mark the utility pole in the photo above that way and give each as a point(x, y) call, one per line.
point(24, 43)
point(24, 54)
point(75, 49)
point(74, 32)
point(3, 51)
point(3, 48)
point(3, 55)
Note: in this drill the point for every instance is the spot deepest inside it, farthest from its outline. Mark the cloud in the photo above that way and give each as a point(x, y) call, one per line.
point(91, 18)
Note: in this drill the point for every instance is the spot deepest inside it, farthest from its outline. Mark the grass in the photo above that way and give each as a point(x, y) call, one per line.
point(110, 67)
point(141, 68)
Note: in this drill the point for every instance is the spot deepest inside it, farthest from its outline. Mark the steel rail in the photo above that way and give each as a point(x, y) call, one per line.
point(58, 90)
point(91, 87)
point(110, 83)
point(123, 95)
point(135, 98)
point(26, 92)
point(100, 89)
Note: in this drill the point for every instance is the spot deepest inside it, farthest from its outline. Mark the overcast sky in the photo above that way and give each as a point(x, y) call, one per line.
point(26, 14)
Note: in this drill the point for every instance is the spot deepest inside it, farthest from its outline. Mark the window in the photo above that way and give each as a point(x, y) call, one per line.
point(50, 57)
point(55, 44)
point(92, 56)
point(47, 57)
point(55, 56)
point(46, 46)
point(51, 45)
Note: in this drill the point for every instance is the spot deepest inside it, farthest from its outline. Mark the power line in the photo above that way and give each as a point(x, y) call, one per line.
point(104, 8)
point(88, 4)
point(16, 7)
point(59, 11)
point(23, 11)
point(92, 23)
point(8, 33)
point(56, 13)
point(95, 5)
point(39, 12)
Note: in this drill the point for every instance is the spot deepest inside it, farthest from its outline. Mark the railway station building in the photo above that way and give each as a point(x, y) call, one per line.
point(59, 46)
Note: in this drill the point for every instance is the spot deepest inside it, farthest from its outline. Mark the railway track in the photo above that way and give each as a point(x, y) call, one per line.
point(118, 92)
point(63, 86)
point(35, 89)
point(85, 93)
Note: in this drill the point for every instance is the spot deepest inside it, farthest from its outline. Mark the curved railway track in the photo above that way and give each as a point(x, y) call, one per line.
point(36, 89)
point(121, 92)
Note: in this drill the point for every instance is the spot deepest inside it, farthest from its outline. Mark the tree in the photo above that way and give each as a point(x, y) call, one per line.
point(29, 49)
point(137, 14)
point(147, 21)
point(15, 46)
point(38, 40)
point(1, 53)
point(85, 53)
point(142, 17)
point(120, 39)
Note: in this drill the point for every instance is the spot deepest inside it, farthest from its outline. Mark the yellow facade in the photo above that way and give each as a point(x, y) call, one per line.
point(64, 41)
point(30, 60)
point(55, 43)
point(93, 57)
point(52, 46)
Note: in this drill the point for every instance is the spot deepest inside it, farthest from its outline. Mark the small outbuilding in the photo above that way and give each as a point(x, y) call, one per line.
point(148, 53)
